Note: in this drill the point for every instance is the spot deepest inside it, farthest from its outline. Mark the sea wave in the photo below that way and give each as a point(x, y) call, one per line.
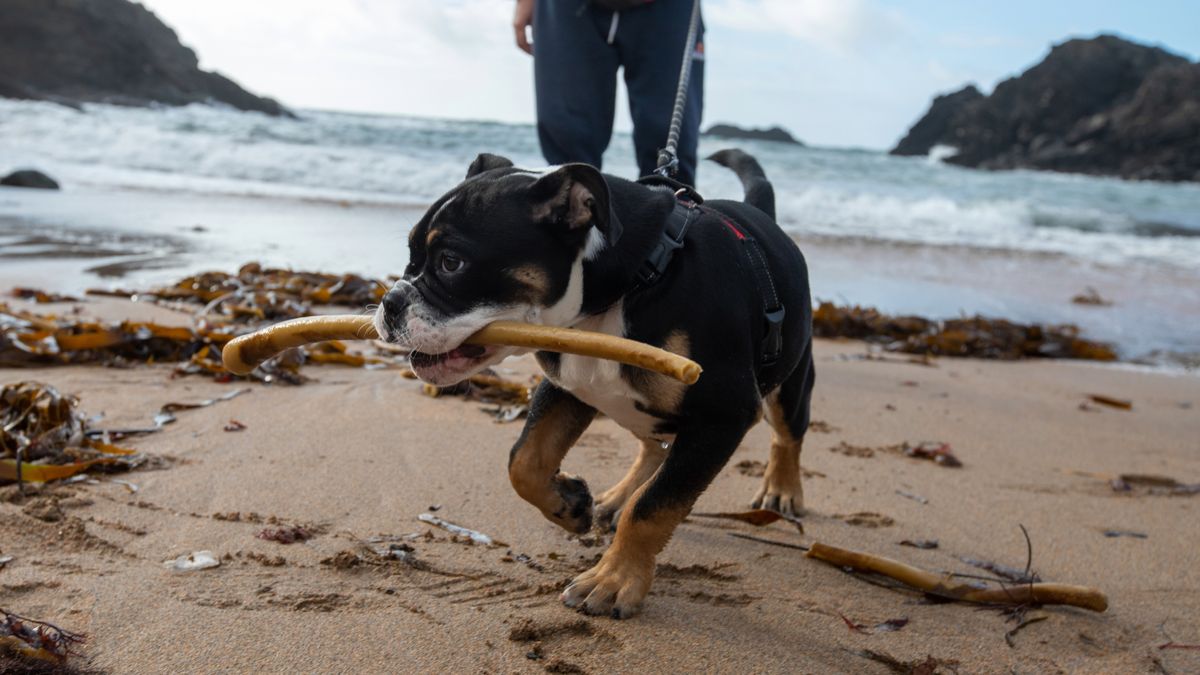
point(402, 160)
point(1016, 224)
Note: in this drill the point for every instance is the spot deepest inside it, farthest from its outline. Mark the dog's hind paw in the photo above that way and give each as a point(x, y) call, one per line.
point(785, 499)
point(614, 587)
point(608, 512)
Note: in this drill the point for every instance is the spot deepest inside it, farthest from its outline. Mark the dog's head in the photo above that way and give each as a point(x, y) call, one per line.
point(506, 243)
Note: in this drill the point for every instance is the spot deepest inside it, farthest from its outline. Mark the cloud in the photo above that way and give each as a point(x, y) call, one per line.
point(451, 58)
point(834, 25)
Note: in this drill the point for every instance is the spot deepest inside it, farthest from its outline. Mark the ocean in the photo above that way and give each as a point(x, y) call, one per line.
point(150, 193)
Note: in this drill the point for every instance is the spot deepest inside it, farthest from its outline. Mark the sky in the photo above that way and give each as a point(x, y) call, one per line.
point(846, 73)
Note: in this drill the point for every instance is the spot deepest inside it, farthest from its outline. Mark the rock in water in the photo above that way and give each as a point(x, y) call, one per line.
point(29, 178)
point(111, 51)
point(1099, 106)
point(777, 134)
point(935, 126)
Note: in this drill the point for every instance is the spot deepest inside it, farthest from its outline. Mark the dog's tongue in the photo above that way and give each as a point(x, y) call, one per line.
point(469, 351)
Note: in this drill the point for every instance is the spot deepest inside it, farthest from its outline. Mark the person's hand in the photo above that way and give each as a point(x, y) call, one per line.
point(522, 20)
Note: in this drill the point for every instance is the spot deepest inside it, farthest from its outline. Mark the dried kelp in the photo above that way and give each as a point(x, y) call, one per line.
point(29, 340)
point(288, 534)
point(44, 436)
point(224, 305)
point(486, 387)
point(39, 296)
point(1118, 403)
point(37, 639)
point(1090, 296)
point(256, 294)
point(946, 587)
point(755, 517)
point(978, 336)
point(1148, 484)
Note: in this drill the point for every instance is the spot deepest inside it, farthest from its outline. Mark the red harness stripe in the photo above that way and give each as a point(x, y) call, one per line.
point(733, 228)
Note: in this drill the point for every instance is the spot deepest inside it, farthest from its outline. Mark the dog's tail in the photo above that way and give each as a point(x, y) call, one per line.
point(759, 192)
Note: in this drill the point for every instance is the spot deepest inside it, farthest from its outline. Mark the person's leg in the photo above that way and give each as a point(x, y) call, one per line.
point(651, 42)
point(575, 78)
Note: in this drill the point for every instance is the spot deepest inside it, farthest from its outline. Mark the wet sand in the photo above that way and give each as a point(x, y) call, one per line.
point(360, 454)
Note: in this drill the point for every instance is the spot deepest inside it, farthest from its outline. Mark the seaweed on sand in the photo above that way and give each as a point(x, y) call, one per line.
point(33, 340)
point(257, 294)
point(44, 436)
point(36, 640)
point(977, 336)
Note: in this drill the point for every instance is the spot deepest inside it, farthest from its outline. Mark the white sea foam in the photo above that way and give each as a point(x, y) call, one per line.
point(939, 153)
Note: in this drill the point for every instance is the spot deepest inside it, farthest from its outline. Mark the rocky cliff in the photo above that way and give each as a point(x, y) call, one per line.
point(1100, 106)
point(777, 134)
point(115, 51)
point(933, 128)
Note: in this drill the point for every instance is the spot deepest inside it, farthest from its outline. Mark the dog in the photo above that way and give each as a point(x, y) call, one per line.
point(569, 246)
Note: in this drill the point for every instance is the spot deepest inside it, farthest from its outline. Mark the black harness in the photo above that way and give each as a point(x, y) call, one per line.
point(687, 209)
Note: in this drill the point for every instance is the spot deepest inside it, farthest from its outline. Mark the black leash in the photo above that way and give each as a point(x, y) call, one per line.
point(687, 209)
point(668, 161)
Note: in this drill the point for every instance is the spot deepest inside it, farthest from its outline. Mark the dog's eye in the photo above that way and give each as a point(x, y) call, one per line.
point(451, 262)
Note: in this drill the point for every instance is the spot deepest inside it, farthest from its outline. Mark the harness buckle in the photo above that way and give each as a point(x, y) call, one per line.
point(773, 342)
point(656, 263)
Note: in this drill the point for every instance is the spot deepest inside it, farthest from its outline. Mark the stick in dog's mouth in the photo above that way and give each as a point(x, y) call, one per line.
point(244, 353)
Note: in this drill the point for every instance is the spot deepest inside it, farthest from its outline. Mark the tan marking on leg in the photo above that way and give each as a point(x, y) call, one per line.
point(662, 393)
point(618, 583)
point(613, 499)
point(534, 472)
point(781, 490)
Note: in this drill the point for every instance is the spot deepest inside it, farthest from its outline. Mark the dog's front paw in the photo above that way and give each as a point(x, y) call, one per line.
point(615, 587)
point(573, 510)
point(781, 496)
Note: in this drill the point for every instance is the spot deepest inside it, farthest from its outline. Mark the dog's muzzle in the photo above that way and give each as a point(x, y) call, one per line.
point(393, 309)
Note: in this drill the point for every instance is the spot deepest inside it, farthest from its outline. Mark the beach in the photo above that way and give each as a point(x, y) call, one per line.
point(353, 457)
point(359, 454)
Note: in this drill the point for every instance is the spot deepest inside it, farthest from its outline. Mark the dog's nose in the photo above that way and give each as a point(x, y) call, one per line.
point(394, 303)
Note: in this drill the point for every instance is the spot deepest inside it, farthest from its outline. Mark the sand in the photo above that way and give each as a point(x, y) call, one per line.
point(358, 454)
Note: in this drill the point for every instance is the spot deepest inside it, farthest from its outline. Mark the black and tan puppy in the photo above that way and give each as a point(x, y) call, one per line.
point(568, 247)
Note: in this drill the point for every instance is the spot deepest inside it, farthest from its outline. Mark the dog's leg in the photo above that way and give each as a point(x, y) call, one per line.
point(787, 411)
point(556, 420)
point(612, 500)
point(618, 583)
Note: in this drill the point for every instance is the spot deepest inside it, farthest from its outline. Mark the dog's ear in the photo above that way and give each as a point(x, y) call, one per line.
point(486, 162)
point(575, 196)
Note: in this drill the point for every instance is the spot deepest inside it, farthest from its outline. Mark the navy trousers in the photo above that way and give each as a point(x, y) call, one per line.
point(578, 47)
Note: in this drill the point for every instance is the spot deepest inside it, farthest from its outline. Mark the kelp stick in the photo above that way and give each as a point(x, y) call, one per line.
point(243, 354)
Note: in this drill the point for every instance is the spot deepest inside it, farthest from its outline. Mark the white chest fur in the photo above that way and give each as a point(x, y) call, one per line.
point(598, 383)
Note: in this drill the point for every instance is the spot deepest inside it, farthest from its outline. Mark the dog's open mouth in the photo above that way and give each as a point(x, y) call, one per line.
point(433, 367)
